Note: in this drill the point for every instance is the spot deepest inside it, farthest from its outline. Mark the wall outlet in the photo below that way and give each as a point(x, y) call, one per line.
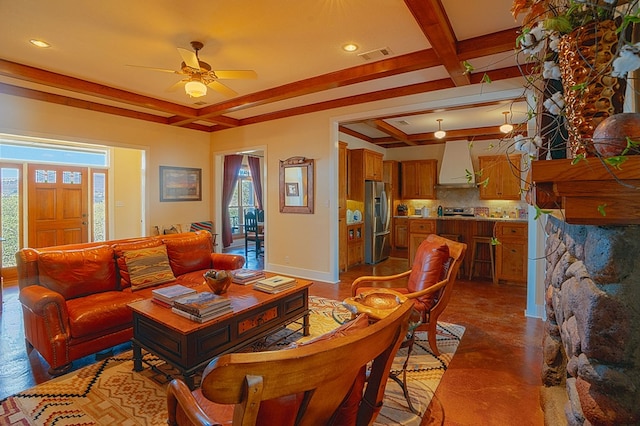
point(286, 260)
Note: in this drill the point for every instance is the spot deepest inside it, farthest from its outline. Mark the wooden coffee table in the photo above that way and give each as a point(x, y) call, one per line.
point(189, 346)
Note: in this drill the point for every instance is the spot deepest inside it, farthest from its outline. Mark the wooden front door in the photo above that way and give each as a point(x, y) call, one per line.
point(57, 205)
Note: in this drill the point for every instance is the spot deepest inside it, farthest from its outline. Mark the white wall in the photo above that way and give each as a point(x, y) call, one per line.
point(163, 145)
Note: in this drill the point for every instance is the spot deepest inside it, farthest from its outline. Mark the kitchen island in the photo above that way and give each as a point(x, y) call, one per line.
point(509, 233)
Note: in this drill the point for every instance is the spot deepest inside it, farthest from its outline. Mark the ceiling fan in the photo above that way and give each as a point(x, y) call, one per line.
point(199, 75)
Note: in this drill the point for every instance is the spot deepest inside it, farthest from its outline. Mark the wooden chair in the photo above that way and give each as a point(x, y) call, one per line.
point(252, 233)
point(430, 281)
point(310, 385)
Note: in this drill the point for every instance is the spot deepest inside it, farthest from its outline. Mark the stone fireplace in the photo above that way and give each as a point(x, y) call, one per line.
point(591, 348)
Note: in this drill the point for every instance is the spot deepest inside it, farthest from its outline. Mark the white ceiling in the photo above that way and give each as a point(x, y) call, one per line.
point(286, 42)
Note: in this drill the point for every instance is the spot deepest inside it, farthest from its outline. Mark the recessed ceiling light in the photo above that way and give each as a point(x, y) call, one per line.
point(39, 43)
point(350, 47)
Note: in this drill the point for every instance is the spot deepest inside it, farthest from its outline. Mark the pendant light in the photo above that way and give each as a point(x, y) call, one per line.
point(506, 127)
point(440, 133)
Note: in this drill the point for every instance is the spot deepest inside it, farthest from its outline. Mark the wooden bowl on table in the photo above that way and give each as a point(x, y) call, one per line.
point(217, 280)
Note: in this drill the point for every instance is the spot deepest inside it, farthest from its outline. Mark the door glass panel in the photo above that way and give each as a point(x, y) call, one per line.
point(72, 177)
point(45, 176)
point(99, 207)
point(10, 208)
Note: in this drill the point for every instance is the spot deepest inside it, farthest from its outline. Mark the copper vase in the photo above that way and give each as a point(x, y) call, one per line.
point(590, 93)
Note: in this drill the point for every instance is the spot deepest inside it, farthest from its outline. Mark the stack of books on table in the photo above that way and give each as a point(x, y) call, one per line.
point(246, 276)
point(166, 295)
point(202, 307)
point(275, 284)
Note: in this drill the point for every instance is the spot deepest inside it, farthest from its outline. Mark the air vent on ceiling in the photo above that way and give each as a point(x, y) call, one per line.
point(402, 122)
point(375, 53)
point(200, 103)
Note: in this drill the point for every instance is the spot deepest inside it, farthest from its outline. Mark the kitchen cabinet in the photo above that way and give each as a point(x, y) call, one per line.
point(355, 244)
point(355, 167)
point(418, 179)
point(400, 233)
point(503, 174)
point(372, 165)
point(511, 253)
point(342, 206)
point(419, 229)
point(366, 164)
point(391, 176)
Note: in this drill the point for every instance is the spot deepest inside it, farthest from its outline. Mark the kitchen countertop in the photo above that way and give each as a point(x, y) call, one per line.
point(478, 218)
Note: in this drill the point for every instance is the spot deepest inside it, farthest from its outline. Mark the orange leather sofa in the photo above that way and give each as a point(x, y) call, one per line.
point(74, 297)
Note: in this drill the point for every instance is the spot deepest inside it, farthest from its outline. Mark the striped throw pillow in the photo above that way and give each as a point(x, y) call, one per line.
point(148, 267)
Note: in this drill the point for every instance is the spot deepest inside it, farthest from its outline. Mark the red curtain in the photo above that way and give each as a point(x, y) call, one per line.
point(232, 165)
point(254, 167)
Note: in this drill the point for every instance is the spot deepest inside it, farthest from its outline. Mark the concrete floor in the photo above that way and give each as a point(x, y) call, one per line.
point(493, 379)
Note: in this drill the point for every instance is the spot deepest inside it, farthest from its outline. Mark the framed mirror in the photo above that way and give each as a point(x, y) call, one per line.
point(296, 185)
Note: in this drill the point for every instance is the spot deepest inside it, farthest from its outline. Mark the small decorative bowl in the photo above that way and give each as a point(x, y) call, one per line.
point(218, 281)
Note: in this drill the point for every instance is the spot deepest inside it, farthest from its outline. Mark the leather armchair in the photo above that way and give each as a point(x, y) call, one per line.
point(429, 283)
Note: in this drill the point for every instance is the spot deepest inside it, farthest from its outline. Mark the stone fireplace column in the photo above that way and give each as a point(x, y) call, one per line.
point(591, 346)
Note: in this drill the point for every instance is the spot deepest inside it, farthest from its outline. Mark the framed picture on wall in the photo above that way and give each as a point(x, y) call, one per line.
point(180, 184)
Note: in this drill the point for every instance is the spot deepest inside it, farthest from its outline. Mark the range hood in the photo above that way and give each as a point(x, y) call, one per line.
point(456, 166)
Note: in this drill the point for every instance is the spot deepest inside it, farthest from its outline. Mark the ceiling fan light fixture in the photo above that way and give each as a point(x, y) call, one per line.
point(506, 127)
point(440, 133)
point(195, 88)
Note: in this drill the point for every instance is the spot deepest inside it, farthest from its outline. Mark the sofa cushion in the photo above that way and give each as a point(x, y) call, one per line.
point(120, 248)
point(76, 273)
point(94, 314)
point(188, 254)
point(148, 267)
point(192, 279)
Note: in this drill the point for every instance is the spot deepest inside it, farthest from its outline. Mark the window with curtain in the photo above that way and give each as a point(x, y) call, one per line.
point(243, 198)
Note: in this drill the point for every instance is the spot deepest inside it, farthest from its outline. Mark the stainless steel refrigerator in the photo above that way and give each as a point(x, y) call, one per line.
point(377, 221)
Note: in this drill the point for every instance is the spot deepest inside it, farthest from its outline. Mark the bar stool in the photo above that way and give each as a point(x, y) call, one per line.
point(458, 238)
point(475, 240)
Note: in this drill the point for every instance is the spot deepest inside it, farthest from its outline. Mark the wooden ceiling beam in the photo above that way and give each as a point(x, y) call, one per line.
point(51, 79)
point(380, 69)
point(489, 44)
point(434, 23)
point(358, 135)
point(469, 133)
point(408, 90)
point(38, 95)
point(392, 131)
point(457, 107)
point(411, 89)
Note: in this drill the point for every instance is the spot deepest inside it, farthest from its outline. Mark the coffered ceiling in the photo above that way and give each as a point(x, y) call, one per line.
point(104, 56)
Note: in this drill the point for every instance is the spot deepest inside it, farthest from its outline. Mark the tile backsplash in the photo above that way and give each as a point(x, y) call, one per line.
point(468, 197)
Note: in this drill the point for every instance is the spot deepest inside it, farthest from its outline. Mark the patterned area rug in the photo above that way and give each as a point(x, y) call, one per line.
point(109, 392)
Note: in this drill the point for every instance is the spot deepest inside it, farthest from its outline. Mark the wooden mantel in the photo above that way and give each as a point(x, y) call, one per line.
point(589, 192)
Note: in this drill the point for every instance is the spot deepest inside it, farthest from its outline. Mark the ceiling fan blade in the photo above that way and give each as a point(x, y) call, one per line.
point(221, 88)
point(155, 69)
point(231, 74)
point(176, 86)
point(189, 58)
